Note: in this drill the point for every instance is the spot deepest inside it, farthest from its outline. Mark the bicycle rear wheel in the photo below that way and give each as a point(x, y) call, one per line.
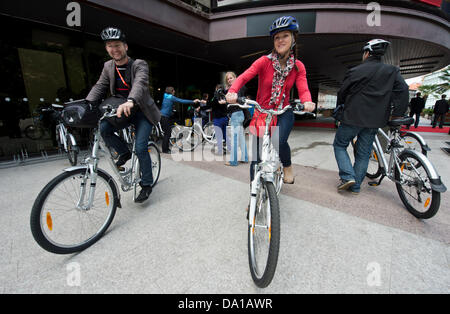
point(188, 139)
point(414, 187)
point(59, 225)
point(264, 236)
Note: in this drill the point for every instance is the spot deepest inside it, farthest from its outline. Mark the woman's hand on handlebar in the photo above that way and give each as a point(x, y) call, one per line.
point(231, 98)
point(309, 106)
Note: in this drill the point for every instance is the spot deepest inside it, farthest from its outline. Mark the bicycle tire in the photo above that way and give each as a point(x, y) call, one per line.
point(263, 278)
point(155, 156)
point(72, 151)
point(37, 224)
point(432, 202)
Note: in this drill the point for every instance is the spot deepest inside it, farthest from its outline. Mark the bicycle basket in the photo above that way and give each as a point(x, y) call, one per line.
point(80, 114)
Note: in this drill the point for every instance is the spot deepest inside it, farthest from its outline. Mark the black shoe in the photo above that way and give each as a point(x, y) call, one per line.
point(123, 159)
point(144, 194)
point(345, 185)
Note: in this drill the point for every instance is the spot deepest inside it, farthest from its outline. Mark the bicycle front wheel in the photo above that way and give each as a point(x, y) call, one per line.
point(62, 223)
point(264, 236)
point(414, 187)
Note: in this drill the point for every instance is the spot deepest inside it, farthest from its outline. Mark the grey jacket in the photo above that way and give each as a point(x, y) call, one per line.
point(139, 88)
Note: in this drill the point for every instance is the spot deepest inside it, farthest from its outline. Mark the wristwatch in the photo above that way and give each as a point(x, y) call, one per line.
point(131, 100)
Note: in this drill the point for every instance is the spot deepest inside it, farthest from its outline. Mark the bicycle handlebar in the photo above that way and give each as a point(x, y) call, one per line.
point(296, 105)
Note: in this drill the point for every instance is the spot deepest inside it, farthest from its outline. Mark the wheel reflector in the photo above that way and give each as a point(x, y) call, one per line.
point(49, 221)
point(107, 198)
point(427, 202)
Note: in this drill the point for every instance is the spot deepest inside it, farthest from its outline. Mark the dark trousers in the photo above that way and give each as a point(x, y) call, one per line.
point(417, 118)
point(280, 136)
point(441, 117)
point(143, 129)
point(357, 171)
point(165, 125)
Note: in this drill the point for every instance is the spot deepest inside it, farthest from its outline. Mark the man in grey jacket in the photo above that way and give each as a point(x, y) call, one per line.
point(128, 78)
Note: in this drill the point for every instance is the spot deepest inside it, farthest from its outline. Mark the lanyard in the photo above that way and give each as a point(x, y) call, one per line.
point(120, 75)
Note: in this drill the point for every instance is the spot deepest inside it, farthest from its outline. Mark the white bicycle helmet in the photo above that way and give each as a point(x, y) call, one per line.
point(376, 47)
point(112, 33)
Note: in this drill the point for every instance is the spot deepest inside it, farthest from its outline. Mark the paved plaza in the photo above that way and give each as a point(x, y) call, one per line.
point(191, 236)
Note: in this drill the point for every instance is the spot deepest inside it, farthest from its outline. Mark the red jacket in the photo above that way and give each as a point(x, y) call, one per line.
point(264, 69)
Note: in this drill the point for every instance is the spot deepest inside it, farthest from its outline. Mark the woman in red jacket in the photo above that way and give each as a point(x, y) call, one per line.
point(277, 73)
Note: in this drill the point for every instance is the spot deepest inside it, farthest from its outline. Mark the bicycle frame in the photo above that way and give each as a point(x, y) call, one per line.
point(126, 178)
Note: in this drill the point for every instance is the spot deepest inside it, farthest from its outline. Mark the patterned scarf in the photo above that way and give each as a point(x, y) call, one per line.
point(279, 78)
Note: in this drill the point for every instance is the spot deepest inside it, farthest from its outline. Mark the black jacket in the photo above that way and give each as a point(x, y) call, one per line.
point(368, 91)
point(441, 106)
point(417, 104)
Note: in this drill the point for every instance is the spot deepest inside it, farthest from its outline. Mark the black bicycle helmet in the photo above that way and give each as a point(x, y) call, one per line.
point(284, 23)
point(376, 47)
point(112, 33)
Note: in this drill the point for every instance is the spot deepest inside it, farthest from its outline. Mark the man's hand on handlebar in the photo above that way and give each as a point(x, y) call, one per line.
point(125, 108)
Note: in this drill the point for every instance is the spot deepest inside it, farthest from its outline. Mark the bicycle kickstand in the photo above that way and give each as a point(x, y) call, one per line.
point(375, 183)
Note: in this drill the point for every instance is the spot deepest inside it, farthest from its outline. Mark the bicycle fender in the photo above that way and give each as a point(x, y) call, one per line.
point(421, 141)
point(435, 179)
point(72, 139)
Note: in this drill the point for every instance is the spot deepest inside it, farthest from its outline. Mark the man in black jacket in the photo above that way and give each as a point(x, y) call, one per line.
point(441, 108)
point(368, 91)
point(417, 104)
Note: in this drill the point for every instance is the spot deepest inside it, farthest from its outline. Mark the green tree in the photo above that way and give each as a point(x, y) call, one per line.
point(437, 89)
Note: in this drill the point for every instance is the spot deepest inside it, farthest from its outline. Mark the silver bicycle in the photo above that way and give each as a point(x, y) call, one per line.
point(189, 137)
point(74, 210)
point(418, 183)
point(264, 211)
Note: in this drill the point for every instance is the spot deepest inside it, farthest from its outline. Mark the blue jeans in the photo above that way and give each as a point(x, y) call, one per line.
point(344, 135)
point(143, 129)
point(220, 127)
point(285, 123)
point(237, 133)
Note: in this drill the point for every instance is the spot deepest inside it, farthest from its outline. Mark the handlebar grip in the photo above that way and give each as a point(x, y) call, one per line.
point(299, 107)
point(241, 100)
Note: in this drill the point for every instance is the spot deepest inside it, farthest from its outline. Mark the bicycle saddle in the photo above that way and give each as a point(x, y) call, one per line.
point(401, 121)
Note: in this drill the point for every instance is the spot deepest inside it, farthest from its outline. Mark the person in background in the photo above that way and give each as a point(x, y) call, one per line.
point(237, 128)
point(417, 104)
point(167, 112)
point(441, 108)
